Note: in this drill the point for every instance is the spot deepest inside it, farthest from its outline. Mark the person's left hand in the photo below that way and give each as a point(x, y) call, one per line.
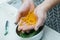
point(42, 15)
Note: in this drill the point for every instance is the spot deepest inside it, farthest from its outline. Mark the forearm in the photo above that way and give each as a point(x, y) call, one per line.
point(48, 4)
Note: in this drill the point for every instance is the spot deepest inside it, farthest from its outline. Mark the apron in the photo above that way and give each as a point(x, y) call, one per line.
point(53, 16)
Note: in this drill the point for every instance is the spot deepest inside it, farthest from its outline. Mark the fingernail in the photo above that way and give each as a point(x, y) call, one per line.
point(36, 28)
point(22, 31)
point(19, 28)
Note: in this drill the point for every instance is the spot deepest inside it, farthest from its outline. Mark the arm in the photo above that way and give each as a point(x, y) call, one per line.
point(41, 11)
point(48, 4)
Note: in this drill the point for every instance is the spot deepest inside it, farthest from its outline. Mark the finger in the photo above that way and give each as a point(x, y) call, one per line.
point(28, 27)
point(18, 18)
point(22, 31)
point(19, 28)
point(20, 23)
point(38, 24)
point(32, 27)
point(27, 31)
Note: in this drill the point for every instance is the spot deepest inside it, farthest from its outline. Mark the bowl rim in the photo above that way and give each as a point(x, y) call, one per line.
point(32, 36)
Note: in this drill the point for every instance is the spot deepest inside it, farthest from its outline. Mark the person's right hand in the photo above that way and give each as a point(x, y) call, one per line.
point(24, 9)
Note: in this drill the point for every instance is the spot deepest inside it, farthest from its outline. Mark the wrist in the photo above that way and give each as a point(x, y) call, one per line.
point(48, 4)
point(43, 8)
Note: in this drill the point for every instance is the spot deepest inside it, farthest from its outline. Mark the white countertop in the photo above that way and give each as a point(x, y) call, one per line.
point(3, 1)
point(8, 12)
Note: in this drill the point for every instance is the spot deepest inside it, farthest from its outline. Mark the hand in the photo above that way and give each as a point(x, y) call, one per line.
point(25, 7)
point(23, 11)
point(42, 14)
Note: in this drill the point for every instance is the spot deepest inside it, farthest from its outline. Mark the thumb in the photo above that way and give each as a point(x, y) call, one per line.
point(38, 24)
